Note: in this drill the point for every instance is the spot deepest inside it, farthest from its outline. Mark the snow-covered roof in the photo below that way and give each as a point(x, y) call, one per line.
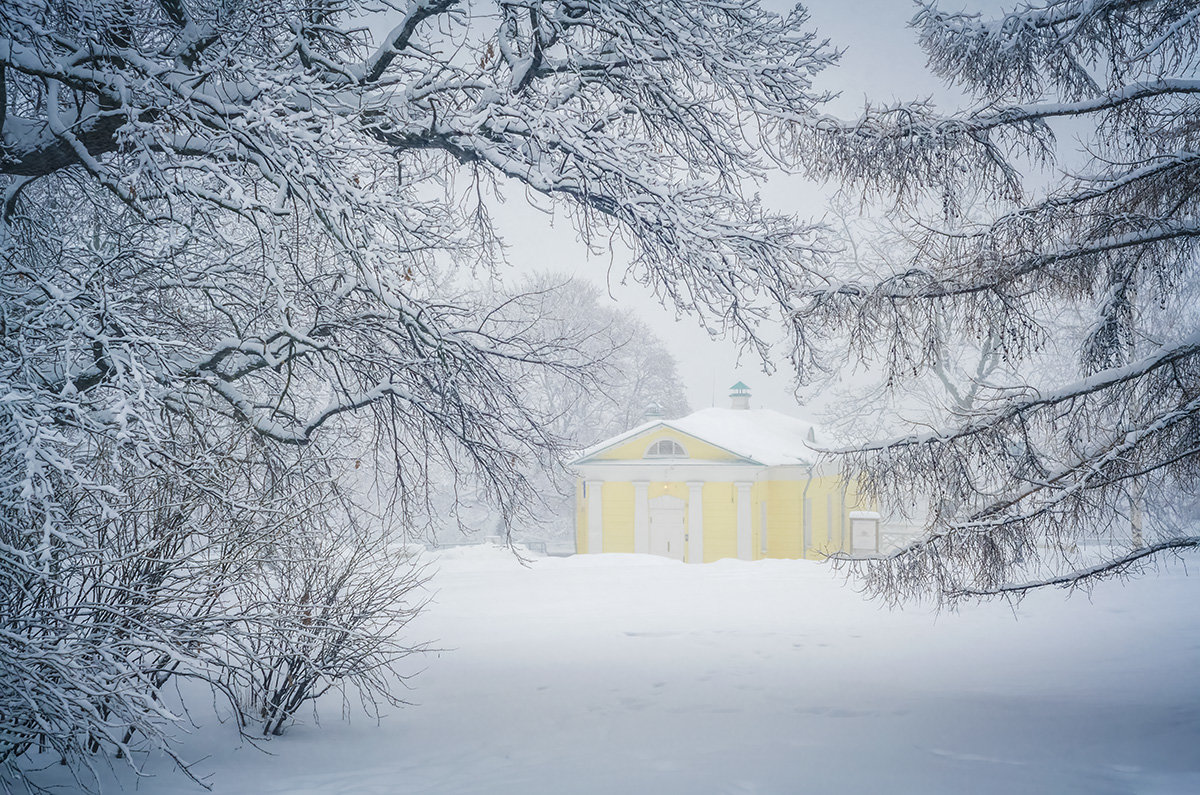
point(762, 435)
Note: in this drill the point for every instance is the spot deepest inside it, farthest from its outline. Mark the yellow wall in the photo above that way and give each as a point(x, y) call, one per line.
point(720, 521)
point(829, 530)
point(616, 516)
point(784, 518)
point(785, 500)
point(660, 488)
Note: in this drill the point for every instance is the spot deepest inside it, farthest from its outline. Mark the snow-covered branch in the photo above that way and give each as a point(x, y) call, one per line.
point(1079, 278)
point(1073, 579)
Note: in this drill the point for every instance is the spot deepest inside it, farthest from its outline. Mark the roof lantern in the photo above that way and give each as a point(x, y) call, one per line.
point(654, 411)
point(739, 396)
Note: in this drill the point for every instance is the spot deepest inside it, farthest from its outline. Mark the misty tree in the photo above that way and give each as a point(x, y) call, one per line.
point(631, 367)
point(1084, 126)
point(628, 374)
point(614, 370)
point(958, 368)
point(226, 230)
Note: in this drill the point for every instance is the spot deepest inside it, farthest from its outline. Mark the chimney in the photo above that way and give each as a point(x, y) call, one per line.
point(739, 396)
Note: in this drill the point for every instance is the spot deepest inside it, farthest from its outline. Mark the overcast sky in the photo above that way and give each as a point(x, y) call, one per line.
point(881, 61)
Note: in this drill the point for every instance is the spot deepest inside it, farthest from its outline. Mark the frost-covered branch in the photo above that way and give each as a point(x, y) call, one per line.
point(1073, 579)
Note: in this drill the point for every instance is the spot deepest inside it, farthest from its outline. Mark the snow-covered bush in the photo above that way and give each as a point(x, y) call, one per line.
point(327, 607)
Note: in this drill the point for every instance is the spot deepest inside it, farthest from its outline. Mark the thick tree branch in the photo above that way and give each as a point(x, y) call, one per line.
point(398, 39)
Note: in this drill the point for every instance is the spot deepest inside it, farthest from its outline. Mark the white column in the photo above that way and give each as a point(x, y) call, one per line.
point(641, 516)
point(595, 517)
point(745, 550)
point(695, 521)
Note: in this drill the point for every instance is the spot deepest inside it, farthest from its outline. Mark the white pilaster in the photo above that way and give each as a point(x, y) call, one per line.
point(745, 550)
point(695, 521)
point(641, 516)
point(595, 517)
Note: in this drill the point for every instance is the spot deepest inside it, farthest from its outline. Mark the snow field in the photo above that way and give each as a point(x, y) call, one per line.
point(631, 674)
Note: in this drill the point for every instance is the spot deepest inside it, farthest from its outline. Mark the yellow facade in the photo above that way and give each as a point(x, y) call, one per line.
point(618, 504)
point(784, 511)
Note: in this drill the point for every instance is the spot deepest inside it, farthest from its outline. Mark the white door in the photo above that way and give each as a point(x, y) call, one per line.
point(666, 527)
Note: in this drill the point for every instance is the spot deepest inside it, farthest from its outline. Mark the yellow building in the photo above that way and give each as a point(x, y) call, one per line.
point(719, 483)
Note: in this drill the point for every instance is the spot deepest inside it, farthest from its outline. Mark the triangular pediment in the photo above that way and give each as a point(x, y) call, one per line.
point(643, 444)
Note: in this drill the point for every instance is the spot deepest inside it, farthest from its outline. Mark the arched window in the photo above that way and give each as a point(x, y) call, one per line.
point(666, 448)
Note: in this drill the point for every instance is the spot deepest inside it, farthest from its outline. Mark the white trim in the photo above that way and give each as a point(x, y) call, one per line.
point(695, 521)
point(595, 513)
point(803, 471)
point(745, 550)
point(641, 516)
point(673, 470)
point(684, 469)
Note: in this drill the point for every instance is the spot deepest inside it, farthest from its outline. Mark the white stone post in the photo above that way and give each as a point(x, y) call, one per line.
point(641, 516)
point(864, 532)
point(595, 517)
point(695, 521)
point(745, 550)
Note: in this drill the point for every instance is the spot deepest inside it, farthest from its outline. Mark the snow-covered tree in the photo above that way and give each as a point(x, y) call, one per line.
point(623, 371)
point(1093, 262)
point(615, 369)
point(225, 228)
point(629, 367)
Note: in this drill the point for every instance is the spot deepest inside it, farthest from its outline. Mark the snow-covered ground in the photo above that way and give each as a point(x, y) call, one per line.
point(632, 674)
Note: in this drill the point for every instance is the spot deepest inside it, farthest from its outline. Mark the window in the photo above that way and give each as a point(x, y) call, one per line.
point(666, 448)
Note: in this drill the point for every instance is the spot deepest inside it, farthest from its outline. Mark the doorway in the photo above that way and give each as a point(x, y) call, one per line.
point(667, 527)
